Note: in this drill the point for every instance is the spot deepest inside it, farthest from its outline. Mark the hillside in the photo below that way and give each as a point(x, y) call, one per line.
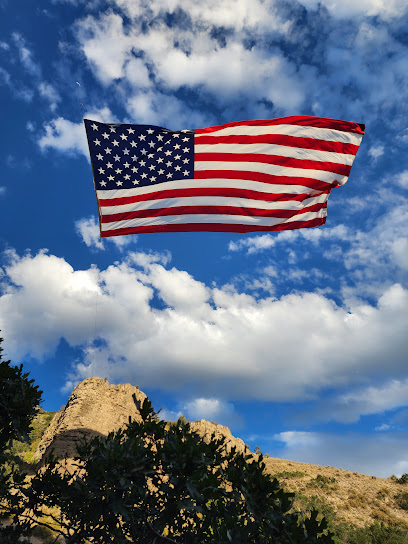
point(97, 407)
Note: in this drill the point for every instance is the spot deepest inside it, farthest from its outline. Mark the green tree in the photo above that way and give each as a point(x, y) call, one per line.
point(19, 398)
point(155, 483)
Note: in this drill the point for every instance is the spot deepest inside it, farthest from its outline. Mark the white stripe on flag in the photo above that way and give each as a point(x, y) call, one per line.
point(215, 219)
point(280, 150)
point(328, 134)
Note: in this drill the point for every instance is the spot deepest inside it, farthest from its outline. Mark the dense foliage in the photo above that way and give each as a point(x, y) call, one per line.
point(19, 398)
point(151, 482)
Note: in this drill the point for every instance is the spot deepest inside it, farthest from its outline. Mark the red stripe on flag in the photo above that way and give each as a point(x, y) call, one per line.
point(214, 227)
point(319, 122)
point(209, 210)
point(281, 139)
point(316, 184)
point(278, 160)
point(210, 191)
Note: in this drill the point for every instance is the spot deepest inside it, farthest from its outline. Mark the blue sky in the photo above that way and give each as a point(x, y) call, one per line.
point(295, 340)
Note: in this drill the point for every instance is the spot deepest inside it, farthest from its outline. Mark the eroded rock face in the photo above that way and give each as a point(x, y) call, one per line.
point(207, 428)
point(94, 408)
point(97, 408)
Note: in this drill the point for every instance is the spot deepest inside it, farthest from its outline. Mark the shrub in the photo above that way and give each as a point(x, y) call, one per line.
point(402, 500)
point(155, 483)
point(19, 398)
point(378, 533)
point(403, 479)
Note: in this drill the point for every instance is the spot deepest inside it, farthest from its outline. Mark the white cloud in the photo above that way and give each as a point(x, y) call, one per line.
point(49, 93)
point(383, 427)
point(372, 258)
point(212, 409)
point(402, 179)
point(154, 107)
point(105, 45)
point(267, 241)
point(169, 415)
point(5, 77)
point(368, 8)
point(234, 59)
point(2, 190)
point(369, 400)
point(226, 344)
point(66, 136)
point(135, 55)
point(88, 230)
point(374, 253)
point(26, 56)
point(376, 151)
point(373, 454)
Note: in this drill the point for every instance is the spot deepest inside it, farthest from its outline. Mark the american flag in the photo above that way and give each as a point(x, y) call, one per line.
point(262, 175)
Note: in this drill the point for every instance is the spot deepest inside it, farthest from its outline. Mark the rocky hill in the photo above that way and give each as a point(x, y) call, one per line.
point(96, 407)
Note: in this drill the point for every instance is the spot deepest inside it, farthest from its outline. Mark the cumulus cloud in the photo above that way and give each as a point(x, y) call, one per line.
point(382, 427)
point(402, 179)
point(346, 9)
point(376, 251)
point(26, 56)
point(376, 151)
point(351, 405)
point(378, 454)
point(49, 93)
point(5, 76)
point(107, 61)
point(238, 59)
point(212, 409)
point(66, 136)
point(375, 400)
point(185, 54)
point(88, 230)
point(162, 327)
point(256, 244)
point(367, 255)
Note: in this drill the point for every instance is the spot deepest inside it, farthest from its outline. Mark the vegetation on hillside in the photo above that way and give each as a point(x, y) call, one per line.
point(25, 450)
point(150, 483)
point(154, 482)
point(19, 398)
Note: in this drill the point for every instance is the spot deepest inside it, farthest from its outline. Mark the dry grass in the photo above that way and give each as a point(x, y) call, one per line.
point(356, 498)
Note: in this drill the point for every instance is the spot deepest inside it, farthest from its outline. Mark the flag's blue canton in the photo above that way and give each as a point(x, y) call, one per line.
point(125, 156)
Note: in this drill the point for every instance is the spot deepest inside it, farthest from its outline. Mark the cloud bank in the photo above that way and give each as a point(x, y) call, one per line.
point(159, 326)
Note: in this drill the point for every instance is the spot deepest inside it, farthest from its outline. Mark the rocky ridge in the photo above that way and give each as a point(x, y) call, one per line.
point(96, 407)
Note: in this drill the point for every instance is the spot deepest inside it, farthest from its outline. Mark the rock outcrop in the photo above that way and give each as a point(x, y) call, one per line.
point(207, 428)
point(96, 407)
